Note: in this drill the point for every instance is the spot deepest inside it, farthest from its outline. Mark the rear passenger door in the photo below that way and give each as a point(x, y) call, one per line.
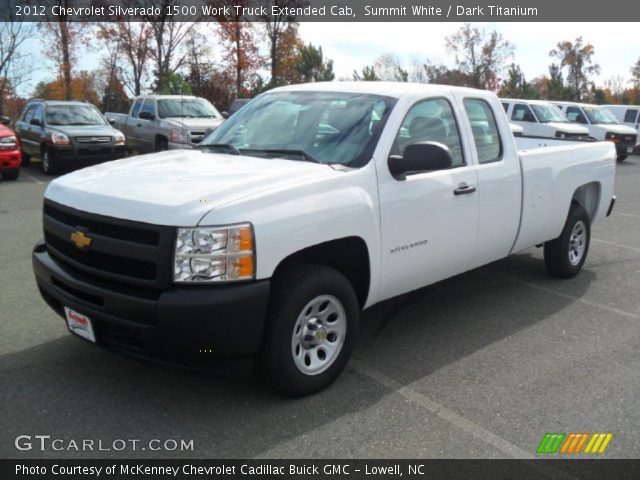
point(428, 220)
point(499, 179)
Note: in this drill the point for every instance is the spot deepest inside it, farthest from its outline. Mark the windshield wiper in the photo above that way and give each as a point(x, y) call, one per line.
point(227, 146)
point(284, 151)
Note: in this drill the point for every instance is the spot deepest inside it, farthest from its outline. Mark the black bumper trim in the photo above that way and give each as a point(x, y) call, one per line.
point(177, 327)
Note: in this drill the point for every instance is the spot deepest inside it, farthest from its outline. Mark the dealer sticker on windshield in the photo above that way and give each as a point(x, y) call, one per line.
point(79, 324)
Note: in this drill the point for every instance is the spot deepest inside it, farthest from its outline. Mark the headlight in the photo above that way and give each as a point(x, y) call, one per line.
point(214, 254)
point(58, 138)
point(8, 143)
point(611, 137)
point(178, 135)
point(119, 138)
point(561, 135)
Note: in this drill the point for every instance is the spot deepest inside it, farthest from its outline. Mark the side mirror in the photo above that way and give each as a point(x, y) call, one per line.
point(4, 120)
point(146, 116)
point(112, 121)
point(224, 114)
point(420, 157)
point(36, 122)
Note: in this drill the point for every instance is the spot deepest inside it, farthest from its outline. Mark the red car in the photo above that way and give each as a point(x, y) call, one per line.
point(10, 155)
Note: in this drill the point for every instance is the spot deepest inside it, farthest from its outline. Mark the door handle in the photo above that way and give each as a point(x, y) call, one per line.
point(464, 189)
point(139, 125)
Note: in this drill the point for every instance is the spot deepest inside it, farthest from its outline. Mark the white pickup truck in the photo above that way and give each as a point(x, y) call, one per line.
point(310, 204)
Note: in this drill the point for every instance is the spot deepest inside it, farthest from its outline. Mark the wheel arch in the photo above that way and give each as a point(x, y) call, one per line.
point(588, 197)
point(347, 255)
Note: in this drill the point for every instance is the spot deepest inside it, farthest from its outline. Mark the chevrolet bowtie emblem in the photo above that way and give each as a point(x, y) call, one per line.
point(80, 240)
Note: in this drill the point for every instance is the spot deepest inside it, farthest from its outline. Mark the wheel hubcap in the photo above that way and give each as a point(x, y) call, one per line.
point(318, 334)
point(577, 243)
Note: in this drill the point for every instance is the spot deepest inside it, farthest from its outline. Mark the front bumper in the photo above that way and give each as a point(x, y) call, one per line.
point(10, 159)
point(177, 325)
point(88, 153)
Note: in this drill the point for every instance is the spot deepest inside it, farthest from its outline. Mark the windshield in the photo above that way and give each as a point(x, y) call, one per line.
point(186, 107)
point(73, 115)
point(327, 127)
point(548, 113)
point(600, 115)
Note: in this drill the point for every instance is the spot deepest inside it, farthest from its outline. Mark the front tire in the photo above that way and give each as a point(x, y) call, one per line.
point(622, 158)
point(26, 159)
point(311, 328)
point(161, 144)
point(565, 256)
point(49, 166)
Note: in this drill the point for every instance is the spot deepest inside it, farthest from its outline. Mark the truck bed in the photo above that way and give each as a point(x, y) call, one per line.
point(551, 175)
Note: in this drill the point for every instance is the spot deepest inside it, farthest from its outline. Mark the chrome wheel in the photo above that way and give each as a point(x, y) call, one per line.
point(577, 242)
point(318, 334)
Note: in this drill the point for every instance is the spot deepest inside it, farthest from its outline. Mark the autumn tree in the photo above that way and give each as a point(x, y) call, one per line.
point(479, 56)
point(289, 57)
point(312, 65)
point(276, 27)
point(132, 40)
point(577, 57)
point(12, 61)
point(83, 87)
point(240, 52)
point(64, 38)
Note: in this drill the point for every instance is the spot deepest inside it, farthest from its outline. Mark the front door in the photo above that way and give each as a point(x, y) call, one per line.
point(429, 221)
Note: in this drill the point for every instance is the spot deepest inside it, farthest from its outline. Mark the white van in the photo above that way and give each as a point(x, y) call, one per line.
point(541, 119)
point(602, 125)
point(628, 115)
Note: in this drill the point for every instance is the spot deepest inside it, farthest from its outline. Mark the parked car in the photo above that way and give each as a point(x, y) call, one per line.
point(237, 104)
point(602, 125)
point(311, 203)
point(541, 119)
point(67, 134)
point(163, 122)
point(628, 115)
point(10, 155)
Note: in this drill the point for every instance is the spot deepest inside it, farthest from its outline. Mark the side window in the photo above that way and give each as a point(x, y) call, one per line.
point(149, 106)
point(136, 108)
point(485, 130)
point(522, 113)
point(430, 121)
point(630, 116)
point(575, 115)
point(28, 114)
point(38, 114)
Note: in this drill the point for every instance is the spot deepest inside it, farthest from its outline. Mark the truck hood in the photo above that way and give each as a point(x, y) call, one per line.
point(617, 128)
point(178, 187)
point(190, 123)
point(567, 127)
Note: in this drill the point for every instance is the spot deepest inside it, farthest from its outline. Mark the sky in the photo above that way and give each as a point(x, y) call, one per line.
point(354, 45)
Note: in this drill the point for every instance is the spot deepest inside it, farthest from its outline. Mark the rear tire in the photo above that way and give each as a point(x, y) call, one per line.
point(11, 174)
point(564, 256)
point(311, 328)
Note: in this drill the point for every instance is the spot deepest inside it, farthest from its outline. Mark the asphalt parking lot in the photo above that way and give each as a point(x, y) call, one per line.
point(478, 366)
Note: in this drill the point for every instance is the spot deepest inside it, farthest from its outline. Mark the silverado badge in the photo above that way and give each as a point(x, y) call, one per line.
point(80, 239)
